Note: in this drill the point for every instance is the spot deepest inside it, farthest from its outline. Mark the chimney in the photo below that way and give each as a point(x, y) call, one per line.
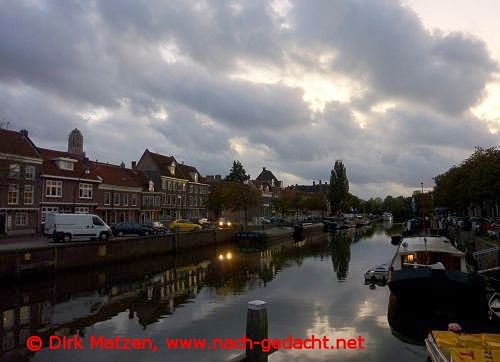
point(263, 169)
point(122, 165)
point(24, 132)
point(134, 165)
point(320, 182)
point(314, 183)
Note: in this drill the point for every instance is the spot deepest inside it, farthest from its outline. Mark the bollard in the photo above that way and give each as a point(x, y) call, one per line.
point(256, 330)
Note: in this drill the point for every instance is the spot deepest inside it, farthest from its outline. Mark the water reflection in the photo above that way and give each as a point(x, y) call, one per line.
point(203, 294)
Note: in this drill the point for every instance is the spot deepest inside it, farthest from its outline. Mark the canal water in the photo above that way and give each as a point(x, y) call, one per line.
point(314, 287)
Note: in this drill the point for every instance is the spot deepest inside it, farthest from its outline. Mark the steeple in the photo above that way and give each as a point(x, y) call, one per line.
point(75, 143)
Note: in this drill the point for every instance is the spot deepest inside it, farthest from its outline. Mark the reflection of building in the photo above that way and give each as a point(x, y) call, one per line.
point(72, 304)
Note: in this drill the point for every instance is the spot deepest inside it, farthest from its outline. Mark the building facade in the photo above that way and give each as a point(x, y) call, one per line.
point(20, 164)
point(69, 183)
point(119, 195)
point(184, 191)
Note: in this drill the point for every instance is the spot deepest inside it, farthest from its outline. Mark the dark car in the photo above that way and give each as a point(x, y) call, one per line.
point(131, 228)
point(278, 220)
point(158, 227)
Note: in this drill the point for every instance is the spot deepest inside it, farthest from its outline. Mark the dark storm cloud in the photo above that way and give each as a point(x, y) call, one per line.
point(131, 61)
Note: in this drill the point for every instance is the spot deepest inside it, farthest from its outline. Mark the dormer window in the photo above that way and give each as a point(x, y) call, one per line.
point(195, 177)
point(66, 163)
point(172, 168)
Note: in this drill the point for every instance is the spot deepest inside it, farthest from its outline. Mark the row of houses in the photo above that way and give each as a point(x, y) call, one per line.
point(35, 181)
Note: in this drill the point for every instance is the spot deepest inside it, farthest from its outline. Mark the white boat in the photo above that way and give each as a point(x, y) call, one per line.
point(426, 266)
point(377, 274)
point(494, 304)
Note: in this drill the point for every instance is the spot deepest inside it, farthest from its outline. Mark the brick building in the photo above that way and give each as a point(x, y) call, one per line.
point(119, 195)
point(184, 191)
point(20, 164)
point(69, 183)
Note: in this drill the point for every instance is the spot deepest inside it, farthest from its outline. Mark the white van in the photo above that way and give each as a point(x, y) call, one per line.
point(67, 227)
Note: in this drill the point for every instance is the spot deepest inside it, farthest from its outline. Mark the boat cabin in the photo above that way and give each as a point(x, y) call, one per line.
point(429, 251)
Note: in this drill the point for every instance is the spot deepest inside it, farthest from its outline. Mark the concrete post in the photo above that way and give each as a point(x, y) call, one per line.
point(256, 330)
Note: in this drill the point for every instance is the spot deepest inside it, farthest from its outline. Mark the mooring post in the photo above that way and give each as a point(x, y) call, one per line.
point(256, 330)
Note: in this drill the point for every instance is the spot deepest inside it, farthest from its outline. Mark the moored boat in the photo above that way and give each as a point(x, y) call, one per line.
point(387, 216)
point(431, 270)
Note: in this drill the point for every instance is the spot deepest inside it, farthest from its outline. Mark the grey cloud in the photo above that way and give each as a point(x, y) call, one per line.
point(385, 45)
point(60, 58)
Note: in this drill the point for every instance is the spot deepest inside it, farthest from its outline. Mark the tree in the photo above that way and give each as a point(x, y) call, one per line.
point(339, 187)
point(475, 180)
point(234, 196)
point(241, 197)
point(237, 173)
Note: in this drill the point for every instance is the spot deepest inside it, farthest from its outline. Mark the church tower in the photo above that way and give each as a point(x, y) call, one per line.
point(75, 143)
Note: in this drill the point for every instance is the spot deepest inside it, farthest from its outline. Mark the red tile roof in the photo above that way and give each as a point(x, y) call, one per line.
point(15, 143)
point(82, 168)
point(119, 176)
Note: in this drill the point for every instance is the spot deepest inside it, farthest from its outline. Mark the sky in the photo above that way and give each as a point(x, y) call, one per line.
point(398, 90)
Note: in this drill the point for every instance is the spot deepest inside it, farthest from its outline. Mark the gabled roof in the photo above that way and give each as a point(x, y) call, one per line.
point(119, 176)
point(266, 176)
point(182, 171)
point(82, 167)
point(15, 143)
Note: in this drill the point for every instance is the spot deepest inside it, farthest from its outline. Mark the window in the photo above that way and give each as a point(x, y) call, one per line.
point(190, 200)
point(157, 200)
point(14, 170)
point(134, 200)
point(125, 199)
point(28, 194)
point(97, 221)
point(164, 184)
point(29, 172)
point(66, 165)
point(116, 199)
point(13, 196)
point(107, 198)
point(21, 219)
point(53, 188)
point(190, 188)
point(48, 210)
point(85, 191)
point(81, 210)
point(195, 177)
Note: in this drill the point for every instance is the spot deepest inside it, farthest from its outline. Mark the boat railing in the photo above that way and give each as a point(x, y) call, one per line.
point(487, 260)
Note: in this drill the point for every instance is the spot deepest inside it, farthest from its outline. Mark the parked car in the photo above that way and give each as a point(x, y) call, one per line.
point(479, 224)
point(67, 227)
point(131, 228)
point(158, 227)
point(278, 220)
point(224, 223)
point(183, 225)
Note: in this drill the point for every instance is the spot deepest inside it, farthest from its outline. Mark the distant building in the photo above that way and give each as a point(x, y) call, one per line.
point(271, 189)
point(75, 143)
point(20, 164)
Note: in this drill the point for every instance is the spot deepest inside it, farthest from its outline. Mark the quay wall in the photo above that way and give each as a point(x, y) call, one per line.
point(28, 261)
